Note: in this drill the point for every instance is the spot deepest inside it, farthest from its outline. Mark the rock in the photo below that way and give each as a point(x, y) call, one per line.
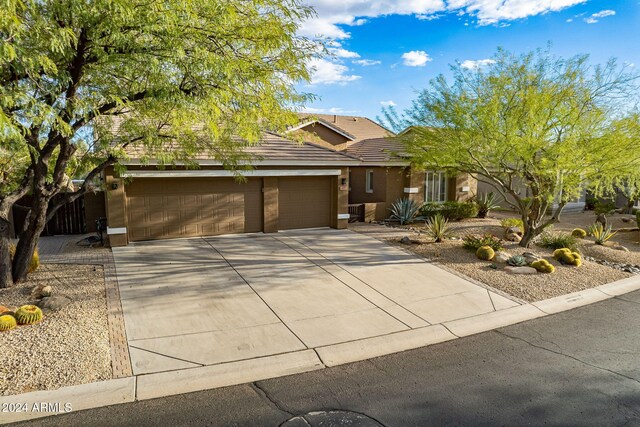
point(602, 219)
point(405, 240)
point(41, 291)
point(513, 230)
point(500, 257)
point(620, 248)
point(53, 303)
point(520, 270)
point(531, 257)
point(625, 219)
point(512, 237)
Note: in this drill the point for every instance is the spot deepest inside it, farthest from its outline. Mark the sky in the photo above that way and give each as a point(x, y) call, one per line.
point(384, 51)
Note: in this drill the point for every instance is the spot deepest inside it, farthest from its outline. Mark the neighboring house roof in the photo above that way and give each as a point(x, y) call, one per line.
point(380, 151)
point(358, 127)
point(275, 150)
point(307, 122)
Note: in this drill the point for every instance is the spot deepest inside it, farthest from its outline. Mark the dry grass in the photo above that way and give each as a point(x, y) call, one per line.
point(68, 347)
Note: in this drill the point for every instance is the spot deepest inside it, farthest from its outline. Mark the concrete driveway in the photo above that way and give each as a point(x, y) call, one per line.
point(205, 301)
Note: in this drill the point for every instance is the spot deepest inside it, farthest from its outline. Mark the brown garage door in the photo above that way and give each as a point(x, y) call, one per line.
point(185, 207)
point(304, 202)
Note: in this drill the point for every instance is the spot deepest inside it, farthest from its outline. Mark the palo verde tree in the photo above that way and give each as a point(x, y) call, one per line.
point(171, 78)
point(553, 126)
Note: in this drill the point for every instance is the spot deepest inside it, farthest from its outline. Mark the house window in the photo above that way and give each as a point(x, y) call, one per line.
point(436, 187)
point(369, 181)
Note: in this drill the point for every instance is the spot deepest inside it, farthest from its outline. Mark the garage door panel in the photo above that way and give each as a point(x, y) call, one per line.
point(200, 207)
point(304, 202)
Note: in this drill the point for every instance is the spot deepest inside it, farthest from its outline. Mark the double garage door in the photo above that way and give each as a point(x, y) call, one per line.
point(187, 207)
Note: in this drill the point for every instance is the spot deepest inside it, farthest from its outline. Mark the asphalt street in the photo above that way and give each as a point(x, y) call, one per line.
point(580, 367)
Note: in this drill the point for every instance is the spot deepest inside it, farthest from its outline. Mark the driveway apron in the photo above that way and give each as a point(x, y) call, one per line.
point(204, 301)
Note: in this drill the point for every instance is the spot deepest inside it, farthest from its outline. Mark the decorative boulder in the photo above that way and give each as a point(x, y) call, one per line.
point(41, 291)
point(520, 270)
point(513, 237)
point(530, 257)
point(405, 240)
point(53, 303)
point(501, 257)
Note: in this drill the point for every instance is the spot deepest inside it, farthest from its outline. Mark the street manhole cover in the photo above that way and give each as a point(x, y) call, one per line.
point(331, 419)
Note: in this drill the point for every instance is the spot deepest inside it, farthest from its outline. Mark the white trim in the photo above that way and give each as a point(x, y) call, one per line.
point(343, 216)
point(438, 189)
point(323, 123)
point(346, 162)
point(227, 173)
point(411, 190)
point(368, 181)
point(116, 230)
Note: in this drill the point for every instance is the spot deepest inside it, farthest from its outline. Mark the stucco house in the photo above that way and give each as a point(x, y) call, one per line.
point(385, 173)
point(345, 162)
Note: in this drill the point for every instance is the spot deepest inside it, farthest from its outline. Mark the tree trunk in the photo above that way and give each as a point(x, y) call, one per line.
point(6, 278)
point(529, 234)
point(28, 239)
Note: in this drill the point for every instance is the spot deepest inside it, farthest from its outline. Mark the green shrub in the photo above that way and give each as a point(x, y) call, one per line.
point(486, 202)
point(485, 253)
point(551, 240)
point(512, 222)
point(404, 211)
point(567, 257)
point(543, 266)
point(437, 228)
point(579, 233)
point(473, 243)
point(604, 207)
point(590, 203)
point(453, 211)
point(601, 234)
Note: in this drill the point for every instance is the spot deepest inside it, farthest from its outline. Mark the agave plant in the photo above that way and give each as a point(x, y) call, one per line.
point(517, 261)
point(601, 234)
point(404, 211)
point(486, 202)
point(438, 228)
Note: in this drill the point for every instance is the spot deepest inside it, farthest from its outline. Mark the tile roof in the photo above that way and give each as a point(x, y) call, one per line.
point(273, 149)
point(379, 151)
point(358, 127)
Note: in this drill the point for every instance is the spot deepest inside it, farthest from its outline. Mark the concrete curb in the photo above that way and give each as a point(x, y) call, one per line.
point(45, 403)
point(149, 386)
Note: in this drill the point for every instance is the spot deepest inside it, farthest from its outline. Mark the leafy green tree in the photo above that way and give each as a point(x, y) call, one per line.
point(555, 126)
point(74, 70)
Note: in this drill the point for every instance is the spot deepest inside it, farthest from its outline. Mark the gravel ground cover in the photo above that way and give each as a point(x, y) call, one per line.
point(67, 347)
point(451, 254)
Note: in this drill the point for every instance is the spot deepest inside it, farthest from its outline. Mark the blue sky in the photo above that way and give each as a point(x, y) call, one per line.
point(387, 50)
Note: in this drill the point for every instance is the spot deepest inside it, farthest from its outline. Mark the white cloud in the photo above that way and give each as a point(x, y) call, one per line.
point(367, 62)
point(388, 103)
point(431, 17)
point(470, 64)
point(331, 14)
point(570, 20)
point(343, 53)
point(325, 72)
point(416, 58)
point(597, 16)
point(332, 110)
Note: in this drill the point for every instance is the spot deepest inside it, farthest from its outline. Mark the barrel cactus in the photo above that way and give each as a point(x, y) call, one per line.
point(517, 261)
point(7, 322)
point(579, 233)
point(543, 266)
point(485, 253)
point(566, 257)
point(28, 315)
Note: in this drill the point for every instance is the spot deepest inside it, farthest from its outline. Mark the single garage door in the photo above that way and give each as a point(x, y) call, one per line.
point(304, 202)
point(186, 207)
